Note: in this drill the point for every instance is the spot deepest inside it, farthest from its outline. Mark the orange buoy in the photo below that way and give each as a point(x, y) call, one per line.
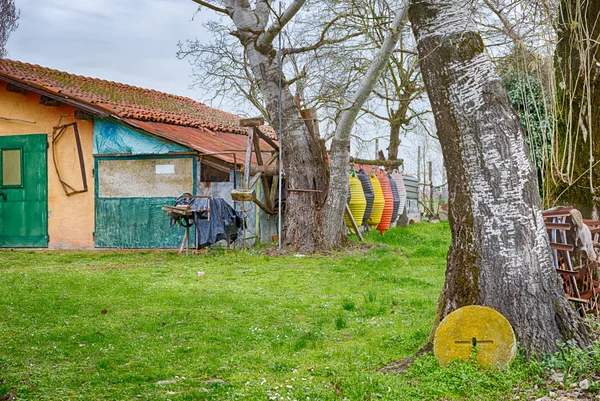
point(358, 202)
point(388, 197)
point(378, 202)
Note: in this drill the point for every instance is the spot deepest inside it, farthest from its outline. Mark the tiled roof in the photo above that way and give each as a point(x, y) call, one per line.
point(125, 101)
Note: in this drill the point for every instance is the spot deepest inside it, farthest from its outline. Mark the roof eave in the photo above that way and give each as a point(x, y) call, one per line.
point(97, 111)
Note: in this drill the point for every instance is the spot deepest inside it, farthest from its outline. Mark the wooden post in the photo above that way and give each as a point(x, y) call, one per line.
point(430, 189)
point(264, 179)
point(248, 159)
point(358, 233)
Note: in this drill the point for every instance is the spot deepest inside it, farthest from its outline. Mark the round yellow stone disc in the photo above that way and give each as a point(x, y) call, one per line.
point(478, 326)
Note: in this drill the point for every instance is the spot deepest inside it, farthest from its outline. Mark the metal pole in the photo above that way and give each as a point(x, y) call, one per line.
point(279, 61)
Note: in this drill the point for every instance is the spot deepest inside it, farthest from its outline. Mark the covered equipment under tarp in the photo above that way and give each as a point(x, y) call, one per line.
point(214, 218)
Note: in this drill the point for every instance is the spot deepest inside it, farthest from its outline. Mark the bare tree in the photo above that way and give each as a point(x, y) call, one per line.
point(500, 255)
point(9, 17)
point(314, 218)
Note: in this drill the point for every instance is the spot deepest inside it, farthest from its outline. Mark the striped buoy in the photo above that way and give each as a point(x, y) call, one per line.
point(399, 180)
point(396, 199)
point(369, 196)
point(358, 203)
point(388, 206)
point(378, 202)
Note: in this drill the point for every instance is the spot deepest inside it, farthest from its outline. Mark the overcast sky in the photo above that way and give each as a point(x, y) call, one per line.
point(128, 41)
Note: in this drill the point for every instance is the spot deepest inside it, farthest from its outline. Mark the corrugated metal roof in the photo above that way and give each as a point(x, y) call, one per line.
point(203, 140)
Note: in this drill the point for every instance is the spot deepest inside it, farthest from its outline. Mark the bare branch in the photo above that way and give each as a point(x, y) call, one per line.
point(319, 44)
point(266, 39)
point(405, 51)
point(211, 6)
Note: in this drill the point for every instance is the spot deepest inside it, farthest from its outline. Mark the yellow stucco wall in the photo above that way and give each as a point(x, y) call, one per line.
point(70, 218)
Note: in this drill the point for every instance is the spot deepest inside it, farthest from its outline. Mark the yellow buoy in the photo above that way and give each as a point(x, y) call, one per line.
point(358, 202)
point(378, 203)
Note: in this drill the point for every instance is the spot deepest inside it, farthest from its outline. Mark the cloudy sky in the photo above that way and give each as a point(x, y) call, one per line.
point(129, 41)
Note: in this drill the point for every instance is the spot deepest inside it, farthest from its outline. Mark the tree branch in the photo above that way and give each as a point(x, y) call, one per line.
point(322, 42)
point(266, 39)
point(414, 53)
point(211, 6)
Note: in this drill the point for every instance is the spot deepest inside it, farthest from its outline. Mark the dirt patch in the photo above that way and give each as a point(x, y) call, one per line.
point(10, 396)
point(400, 366)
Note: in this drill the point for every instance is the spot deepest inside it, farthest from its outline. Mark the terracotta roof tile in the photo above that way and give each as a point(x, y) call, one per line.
point(126, 101)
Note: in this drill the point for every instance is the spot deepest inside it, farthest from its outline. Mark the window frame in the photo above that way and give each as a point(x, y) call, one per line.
point(21, 166)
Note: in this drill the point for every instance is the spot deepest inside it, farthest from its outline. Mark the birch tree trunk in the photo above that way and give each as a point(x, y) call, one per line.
point(340, 155)
point(500, 255)
point(304, 155)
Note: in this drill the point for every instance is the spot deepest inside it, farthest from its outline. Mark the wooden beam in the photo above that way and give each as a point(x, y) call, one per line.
point(274, 190)
point(266, 170)
point(248, 160)
point(252, 122)
point(384, 163)
point(243, 195)
point(259, 161)
point(354, 225)
point(266, 138)
point(250, 196)
point(83, 115)
point(558, 226)
point(255, 179)
point(48, 101)
point(244, 150)
point(16, 89)
point(561, 247)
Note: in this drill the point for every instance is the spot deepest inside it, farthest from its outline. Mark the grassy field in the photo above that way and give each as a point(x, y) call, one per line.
point(238, 325)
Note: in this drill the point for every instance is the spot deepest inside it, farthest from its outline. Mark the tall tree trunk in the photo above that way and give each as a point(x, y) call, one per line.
point(500, 255)
point(577, 147)
point(304, 156)
point(340, 155)
point(395, 124)
point(397, 120)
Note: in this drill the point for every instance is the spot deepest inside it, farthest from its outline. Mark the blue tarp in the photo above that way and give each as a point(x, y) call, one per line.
point(112, 138)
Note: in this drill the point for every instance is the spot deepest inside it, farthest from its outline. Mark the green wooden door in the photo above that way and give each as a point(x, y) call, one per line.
point(23, 191)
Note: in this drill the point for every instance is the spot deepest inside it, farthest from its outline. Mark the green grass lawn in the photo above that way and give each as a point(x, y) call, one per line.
point(148, 326)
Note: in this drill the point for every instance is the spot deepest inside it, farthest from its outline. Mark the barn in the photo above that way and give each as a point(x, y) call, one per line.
point(89, 163)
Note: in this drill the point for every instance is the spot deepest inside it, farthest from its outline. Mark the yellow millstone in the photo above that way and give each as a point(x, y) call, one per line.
point(475, 326)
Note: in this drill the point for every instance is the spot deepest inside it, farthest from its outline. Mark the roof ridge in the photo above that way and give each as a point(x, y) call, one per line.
point(103, 80)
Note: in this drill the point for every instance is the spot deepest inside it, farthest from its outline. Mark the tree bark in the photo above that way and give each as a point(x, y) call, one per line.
point(397, 120)
point(304, 156)
point(577, 147)
point(394, 136)
point(500, 255)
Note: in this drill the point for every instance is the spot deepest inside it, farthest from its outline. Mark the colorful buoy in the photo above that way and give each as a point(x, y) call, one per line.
point(358, 203)
point(396, 200)
point(399, 180)
point(378, 202)
point(388, 206)
point(369, 196)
